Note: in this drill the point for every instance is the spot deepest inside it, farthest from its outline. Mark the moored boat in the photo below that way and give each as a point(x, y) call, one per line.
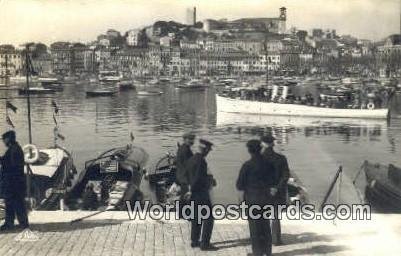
point(259, 107)
point(126, 86)
point(109, 76)
point(100, 93)
point(35, 90)
point(109, 180)
point(52, 174)
point(383, 189)
point(194, 84)
point(149, 93)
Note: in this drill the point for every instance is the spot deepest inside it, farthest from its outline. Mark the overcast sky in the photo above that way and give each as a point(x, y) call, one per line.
point(83, 20)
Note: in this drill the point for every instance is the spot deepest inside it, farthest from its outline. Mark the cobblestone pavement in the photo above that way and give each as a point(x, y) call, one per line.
point(112, 233)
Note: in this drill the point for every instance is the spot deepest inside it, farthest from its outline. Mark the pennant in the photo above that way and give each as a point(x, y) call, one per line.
point(8, 120)
point(54, 119)
point(56, 109)
point(60, 136)
point(31, 70)
point(11, 106)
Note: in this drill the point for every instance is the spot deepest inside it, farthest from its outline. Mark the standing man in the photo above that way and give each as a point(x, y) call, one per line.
point(282, 175)
point(200, 182)
point(256, 179)
point(184, 153)
point(13, 183)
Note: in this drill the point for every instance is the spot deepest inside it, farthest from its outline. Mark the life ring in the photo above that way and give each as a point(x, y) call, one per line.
point(31, 153)
point(370, 106)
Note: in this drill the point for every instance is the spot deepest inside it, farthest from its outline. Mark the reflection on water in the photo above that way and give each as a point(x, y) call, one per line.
point(315, 147)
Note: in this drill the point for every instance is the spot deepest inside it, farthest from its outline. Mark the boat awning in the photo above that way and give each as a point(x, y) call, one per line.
point(49, 168)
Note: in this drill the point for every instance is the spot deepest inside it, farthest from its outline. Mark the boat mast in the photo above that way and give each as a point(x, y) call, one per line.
point(28, 98)
point(28, 101)
point(6, 86)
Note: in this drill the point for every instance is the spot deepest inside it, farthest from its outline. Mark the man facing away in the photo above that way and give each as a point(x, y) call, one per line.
point(200, 182)
point(282, 175)
point(184, 153)
point(256, 179)
point(13, 183)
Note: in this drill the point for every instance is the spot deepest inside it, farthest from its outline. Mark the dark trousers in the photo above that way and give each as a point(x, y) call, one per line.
point(261, 238)
point(15, 205)
point(259, 229)
point(206, 226)
point(276, 231)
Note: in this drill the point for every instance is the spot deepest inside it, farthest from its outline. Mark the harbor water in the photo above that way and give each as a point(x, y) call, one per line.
point(315, 147)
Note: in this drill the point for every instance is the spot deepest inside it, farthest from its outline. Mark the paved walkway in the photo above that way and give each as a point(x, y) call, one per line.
point(111, 233)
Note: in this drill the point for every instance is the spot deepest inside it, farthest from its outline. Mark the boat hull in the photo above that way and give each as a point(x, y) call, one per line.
point(100, 93)
point(383, 191)
point(229, 105)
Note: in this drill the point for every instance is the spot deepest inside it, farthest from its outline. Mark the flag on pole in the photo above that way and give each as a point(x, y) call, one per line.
point(11, 106)
point(60, 136)
point(55, 120)
point(8, 120)
point(56, 109)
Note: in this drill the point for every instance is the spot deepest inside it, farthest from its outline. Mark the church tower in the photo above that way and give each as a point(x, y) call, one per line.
point(283, 13)
point(282, 20)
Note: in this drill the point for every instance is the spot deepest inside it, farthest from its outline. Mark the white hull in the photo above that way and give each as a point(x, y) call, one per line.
point(240, 119)
point(268, 108)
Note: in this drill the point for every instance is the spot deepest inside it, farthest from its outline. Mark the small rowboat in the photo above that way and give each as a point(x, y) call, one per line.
point(109, 180)
point(36, 90)
point(149, 93)
point(100, 93)
point(126, 86)
point(383, 189)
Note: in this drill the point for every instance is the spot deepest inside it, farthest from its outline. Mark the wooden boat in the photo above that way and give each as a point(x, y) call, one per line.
point(162, 183)
point(109, 180)
point(383, 189)
point(54, 86)
point(235, 105)
point(149, 93)
point(52, 175)
point(126, 86)
point(194, 84)
point(100, 93)
point(109, 76)
point(35, 90)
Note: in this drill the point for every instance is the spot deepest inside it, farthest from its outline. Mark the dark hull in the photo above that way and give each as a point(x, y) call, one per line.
point(383, 190)
point(53, 86)
point(36, 92)
point(100, 93)
point(114, 179)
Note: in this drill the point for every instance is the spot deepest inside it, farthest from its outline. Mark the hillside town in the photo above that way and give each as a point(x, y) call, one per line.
point(242, 47)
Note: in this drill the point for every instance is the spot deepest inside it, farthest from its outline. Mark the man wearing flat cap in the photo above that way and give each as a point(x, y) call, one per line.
point(282, 175)
point(200, 182)
point(256, 180)
point(184, 153)
point(13, 183)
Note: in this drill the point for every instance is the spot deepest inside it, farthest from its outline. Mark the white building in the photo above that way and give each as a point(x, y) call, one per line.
point(134, 37)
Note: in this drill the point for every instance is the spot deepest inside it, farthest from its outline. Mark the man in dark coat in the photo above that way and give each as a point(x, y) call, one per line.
point(256, 179)
point(13, 183)
point(200, 182)
point(282, 175)
point(184, 153)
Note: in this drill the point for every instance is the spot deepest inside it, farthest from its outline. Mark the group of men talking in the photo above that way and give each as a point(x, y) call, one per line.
point(262, 179)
